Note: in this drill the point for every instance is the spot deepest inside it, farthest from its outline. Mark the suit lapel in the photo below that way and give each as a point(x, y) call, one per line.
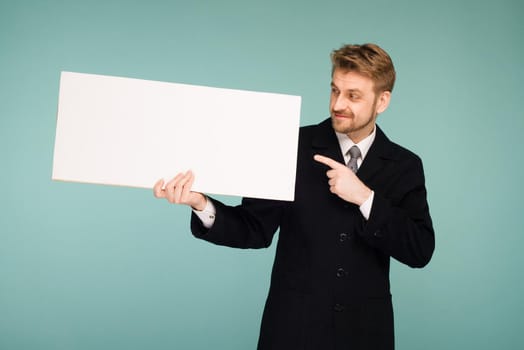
point(325, 142)
point(378, 154)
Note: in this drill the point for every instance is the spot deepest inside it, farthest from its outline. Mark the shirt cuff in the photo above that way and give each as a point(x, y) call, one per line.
point(365, 208)
point(207, 215)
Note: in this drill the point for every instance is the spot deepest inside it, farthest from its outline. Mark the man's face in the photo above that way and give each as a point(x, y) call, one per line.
point(354, 105)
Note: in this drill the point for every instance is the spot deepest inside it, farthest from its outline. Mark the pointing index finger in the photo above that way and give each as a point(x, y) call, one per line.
point(333, 164)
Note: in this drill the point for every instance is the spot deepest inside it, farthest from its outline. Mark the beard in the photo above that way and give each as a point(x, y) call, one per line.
point(353, 124)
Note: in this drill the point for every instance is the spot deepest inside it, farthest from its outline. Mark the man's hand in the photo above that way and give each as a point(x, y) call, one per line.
point(178, 191)
point(343, 182)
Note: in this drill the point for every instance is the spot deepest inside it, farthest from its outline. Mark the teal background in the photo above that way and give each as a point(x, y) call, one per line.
point(99, 267)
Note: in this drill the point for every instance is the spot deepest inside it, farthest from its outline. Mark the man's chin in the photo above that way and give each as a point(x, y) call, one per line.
point(339, 126)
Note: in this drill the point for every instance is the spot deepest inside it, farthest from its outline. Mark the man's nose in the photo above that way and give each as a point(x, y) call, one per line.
point(339, 104)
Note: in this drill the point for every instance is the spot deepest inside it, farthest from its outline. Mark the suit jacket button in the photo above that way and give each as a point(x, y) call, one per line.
point(343, 236)
point(341, 272)
point(338, 307)
point(377, 234)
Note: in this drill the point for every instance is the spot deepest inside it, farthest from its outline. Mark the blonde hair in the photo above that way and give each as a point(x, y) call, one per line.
point(369, 60)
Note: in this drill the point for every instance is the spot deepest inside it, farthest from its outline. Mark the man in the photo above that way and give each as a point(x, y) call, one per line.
point(330, 280)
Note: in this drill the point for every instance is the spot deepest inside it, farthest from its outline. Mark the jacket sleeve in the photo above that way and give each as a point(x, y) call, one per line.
point(252, 224)
point(400, 224)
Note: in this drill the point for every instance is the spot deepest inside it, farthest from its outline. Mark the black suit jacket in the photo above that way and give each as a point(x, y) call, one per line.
point(330, 279)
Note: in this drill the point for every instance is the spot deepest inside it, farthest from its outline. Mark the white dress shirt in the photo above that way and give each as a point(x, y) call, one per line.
point(207, 216)
point(345, 144)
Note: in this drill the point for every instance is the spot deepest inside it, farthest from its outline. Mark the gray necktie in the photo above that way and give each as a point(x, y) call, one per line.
point(354, 152)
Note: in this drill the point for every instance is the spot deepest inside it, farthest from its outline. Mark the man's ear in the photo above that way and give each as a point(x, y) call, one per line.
point(383, 101)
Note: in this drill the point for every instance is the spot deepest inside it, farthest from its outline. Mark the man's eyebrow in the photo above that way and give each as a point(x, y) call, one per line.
point(348, 90)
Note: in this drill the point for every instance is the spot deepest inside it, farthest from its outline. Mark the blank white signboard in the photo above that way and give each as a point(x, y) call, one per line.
point(132, 132)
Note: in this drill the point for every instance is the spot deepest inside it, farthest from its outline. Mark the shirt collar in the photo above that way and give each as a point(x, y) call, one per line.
point(346, 143)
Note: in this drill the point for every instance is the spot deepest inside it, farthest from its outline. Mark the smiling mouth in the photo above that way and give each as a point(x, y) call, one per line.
point(341, 116)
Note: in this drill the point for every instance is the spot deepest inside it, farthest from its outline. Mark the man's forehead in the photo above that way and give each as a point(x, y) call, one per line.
point(351, 80)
